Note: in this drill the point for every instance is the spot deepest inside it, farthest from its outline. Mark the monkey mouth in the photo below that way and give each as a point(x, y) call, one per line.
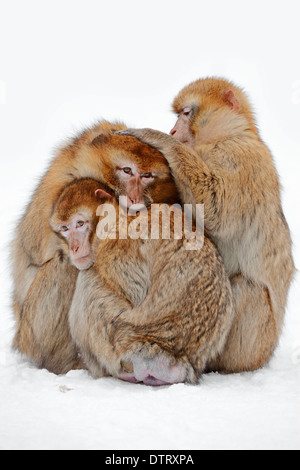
point(126, 203)
point(85, 262)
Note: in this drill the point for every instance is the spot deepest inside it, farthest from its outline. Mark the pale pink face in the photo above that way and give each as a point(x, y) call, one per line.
point(181, 131)
point(77, 232)
point(134, 182)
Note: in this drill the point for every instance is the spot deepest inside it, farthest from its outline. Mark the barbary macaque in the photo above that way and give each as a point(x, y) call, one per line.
point(148, 310)
point(44, 278)
point(218, 159)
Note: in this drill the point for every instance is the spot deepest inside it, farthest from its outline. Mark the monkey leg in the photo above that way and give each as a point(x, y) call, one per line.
point(43, 334)
point(177, 347)
point(114, 340)
point(254, 332)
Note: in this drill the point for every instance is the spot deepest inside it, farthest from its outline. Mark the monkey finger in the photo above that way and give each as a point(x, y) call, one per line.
point(140, 133)
point(130, 132)
point(156, 139)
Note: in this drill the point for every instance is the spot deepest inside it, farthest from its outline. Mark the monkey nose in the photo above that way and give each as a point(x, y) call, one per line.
point(135, 199)
point(173, 131)
point(75, 249)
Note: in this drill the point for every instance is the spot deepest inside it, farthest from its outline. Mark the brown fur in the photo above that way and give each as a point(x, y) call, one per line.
point(36, 245)
point(43, 333)
point(151, 299)
point(230, 170)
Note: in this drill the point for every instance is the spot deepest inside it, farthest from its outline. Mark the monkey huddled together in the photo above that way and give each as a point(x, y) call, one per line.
point(151, 310)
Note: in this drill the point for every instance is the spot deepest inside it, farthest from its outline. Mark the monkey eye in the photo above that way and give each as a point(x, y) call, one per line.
point(64, 228)
point(127, 170)
point(147, 175)
point(80, 223)
point(186, 111)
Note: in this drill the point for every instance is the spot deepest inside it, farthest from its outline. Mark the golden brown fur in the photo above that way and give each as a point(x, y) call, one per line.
point(43, 334)
point(35, 243)
point(37, 249)
point(148, 307)
point(230, 170)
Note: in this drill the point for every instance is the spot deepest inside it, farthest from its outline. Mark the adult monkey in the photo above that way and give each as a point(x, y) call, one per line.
point(218, 159)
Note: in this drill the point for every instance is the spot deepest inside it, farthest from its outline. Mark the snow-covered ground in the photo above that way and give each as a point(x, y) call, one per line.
point(66, 63)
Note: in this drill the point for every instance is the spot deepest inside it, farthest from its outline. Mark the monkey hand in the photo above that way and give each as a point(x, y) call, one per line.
point(171, 148)
point(159, 140)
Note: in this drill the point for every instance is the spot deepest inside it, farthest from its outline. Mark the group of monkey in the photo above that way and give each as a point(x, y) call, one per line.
point(149, 310)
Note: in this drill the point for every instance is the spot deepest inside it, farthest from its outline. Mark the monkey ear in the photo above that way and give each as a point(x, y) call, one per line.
point(231, 100)
point(101, 194)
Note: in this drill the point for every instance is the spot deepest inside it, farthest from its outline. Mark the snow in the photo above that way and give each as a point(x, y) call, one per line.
point(46, 93)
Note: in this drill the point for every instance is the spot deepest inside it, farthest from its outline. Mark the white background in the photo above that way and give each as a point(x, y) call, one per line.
point(65, 64)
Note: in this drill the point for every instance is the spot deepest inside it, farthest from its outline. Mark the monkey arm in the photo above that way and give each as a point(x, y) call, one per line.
point(213, 175)
point(166, 144)
point(128, 275)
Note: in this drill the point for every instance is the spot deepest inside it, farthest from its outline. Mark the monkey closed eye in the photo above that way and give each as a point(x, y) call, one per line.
point(187, 111)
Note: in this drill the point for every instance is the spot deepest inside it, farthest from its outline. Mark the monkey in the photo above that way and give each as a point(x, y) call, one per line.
point(148, 310)
point(218, 158)
point(44, 278)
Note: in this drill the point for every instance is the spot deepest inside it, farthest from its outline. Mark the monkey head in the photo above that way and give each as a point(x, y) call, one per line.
point(74, 218)
point(135, 170)
point(209, 108)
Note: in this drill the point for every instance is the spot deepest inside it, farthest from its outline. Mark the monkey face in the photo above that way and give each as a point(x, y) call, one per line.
point(78, 232)
point(133, 183)
point(134, 170)
point(182, 129)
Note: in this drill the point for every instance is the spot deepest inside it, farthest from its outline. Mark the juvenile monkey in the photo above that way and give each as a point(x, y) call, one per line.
point(218, 158)
point(148, 310)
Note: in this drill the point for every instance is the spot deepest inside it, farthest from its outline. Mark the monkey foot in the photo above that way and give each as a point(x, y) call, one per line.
point(128, 377)
point(155, 372)
point(148, 380)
